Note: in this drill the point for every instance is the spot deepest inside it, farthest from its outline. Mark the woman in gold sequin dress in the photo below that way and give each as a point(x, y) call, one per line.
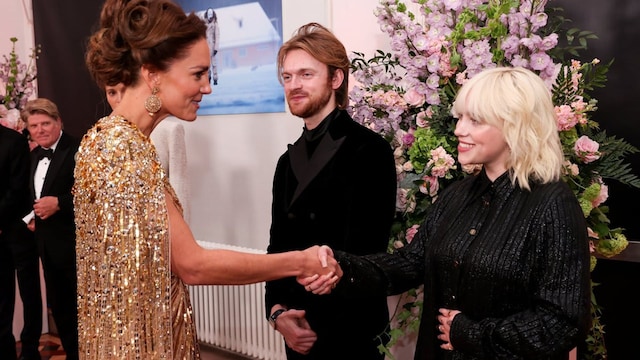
point(135, 253)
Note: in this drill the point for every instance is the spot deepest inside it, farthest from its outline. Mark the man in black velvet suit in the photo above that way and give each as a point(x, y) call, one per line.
point(52, 218)
point(335, 185)
point(18, 252)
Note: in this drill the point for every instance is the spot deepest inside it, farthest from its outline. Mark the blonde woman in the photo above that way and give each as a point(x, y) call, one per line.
point(503, 255)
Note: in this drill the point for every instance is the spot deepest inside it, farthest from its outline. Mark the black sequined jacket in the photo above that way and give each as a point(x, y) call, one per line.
point(514, 262)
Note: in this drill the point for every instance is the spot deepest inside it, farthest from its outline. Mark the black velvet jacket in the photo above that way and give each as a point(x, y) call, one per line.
point(343, 196)
point(514, 262)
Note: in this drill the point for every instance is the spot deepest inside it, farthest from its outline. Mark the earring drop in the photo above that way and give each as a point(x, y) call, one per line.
point(153, 103)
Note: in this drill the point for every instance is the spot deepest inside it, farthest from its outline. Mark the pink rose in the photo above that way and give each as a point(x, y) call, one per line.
point(570, 168)
point(411, 232)
point(602, 196)
point(586, 149)
point(423, 117)
point(413, 98)
point(430, 186)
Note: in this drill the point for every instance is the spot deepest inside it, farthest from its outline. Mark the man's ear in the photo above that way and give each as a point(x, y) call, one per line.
point(338, 78)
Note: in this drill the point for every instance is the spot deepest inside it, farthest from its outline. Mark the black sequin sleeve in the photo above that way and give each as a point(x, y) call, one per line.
point(392, 273)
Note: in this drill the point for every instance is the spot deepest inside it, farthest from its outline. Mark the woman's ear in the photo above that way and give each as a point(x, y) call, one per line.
point(149, 76)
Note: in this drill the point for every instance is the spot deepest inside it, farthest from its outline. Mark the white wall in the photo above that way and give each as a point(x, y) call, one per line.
point(232, 157)
point(16, 20)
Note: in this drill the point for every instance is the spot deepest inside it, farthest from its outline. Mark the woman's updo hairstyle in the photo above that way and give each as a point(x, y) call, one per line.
point(133, 33)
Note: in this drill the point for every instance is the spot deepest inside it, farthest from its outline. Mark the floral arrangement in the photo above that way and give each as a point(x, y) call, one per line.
point(18, 81)
point(407, 95)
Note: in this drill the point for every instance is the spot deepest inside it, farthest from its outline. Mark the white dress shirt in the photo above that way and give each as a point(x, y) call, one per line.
point(38, 178)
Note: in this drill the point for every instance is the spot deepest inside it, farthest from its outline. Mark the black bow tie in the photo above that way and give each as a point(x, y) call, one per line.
point(45, 153)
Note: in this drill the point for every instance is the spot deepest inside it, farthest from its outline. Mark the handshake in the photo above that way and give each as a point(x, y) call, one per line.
point(321, 271)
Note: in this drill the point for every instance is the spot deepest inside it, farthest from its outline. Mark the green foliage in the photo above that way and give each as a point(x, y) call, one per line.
point(596, 349)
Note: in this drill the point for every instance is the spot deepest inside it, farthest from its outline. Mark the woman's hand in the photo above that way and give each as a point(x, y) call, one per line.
point(322, 284)
point(445, 319)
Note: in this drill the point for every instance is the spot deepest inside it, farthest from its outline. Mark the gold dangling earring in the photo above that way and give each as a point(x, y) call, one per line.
point(153, 103)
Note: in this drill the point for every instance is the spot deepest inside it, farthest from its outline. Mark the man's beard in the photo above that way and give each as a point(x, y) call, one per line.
point(314, 105)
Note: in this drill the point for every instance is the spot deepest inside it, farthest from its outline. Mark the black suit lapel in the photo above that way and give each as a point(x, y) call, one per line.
point(298, 158)
point(306, 170)
point(59, 155)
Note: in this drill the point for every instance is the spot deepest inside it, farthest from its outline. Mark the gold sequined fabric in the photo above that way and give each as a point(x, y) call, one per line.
point(130, 305)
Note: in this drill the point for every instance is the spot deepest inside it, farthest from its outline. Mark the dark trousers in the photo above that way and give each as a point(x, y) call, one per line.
point(61, 295)
point(19, 258)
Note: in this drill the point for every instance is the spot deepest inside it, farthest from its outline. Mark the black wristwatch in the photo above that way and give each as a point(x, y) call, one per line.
point(274, 316)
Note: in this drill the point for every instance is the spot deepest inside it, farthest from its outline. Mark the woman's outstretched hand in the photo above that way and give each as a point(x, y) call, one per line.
point(322, 283)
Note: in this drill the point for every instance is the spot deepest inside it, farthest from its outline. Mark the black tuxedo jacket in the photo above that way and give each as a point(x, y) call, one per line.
point(343, 196)
point(56, 235)
point(14, 172)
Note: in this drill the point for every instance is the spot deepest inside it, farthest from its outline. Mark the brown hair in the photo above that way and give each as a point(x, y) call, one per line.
point(40, 106)
point(133, 33)
point(323, 45)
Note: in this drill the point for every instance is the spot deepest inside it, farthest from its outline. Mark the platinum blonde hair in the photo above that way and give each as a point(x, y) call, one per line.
point(519, 103)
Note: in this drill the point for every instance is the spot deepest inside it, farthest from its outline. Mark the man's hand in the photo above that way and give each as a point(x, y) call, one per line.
point(46, 206)
point(32, 225)
point(296, 331)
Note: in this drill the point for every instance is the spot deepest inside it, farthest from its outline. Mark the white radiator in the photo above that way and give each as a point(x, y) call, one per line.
point(233, 317)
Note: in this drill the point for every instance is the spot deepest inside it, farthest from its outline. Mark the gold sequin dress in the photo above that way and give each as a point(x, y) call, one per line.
point(130, 305)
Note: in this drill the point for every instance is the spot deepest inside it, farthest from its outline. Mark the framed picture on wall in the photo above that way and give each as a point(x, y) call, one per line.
point(244, 38)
